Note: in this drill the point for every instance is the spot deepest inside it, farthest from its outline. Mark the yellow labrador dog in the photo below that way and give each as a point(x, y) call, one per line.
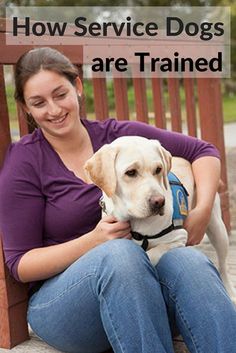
point(132, 172)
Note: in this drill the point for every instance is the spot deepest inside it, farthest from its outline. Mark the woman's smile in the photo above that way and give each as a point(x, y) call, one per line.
point(59, 120)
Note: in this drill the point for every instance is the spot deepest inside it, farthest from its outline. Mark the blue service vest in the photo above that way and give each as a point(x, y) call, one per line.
point(180, 199)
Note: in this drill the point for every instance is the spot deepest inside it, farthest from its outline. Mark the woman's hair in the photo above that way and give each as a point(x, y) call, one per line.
point(38, 59)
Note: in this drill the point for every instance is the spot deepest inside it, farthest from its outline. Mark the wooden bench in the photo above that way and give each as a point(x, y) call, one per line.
point(202, 95)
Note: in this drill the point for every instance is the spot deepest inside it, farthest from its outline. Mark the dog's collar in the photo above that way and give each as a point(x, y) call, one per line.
point(138, 236)
point(180, 211)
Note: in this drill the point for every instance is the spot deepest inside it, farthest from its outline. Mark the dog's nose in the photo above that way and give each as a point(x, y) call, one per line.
point(156, 203)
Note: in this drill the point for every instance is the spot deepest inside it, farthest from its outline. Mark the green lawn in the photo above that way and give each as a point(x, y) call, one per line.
point(229, 109)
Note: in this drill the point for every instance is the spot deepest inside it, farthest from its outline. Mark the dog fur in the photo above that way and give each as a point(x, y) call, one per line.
point(132, 174)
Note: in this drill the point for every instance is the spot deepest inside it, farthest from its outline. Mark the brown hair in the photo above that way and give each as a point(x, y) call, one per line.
point(38, 59)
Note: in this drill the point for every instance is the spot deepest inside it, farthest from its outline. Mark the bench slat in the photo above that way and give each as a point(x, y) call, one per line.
point(121, 98)
point(190, 106)
point(100, 98)
point(140, 99)
point(158, 102)
point(175, 106)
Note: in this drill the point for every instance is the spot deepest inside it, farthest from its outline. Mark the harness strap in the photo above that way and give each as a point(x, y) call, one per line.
point(137, 236)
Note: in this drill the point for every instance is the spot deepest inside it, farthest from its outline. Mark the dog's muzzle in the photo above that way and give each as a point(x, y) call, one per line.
point(156, 204)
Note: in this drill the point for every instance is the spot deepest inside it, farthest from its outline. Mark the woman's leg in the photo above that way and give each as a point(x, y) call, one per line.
point(113, 292)
point(197, 301)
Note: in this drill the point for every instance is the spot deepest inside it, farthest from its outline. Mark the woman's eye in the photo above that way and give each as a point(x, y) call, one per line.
point(61, 95)
point(131, 173)
point(38, 104)
point(158, 170)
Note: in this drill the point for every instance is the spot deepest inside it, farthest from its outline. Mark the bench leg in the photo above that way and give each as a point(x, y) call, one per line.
point(13, 328)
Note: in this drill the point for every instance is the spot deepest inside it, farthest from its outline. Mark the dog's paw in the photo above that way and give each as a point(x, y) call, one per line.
point(158, 251)
point(154, 256)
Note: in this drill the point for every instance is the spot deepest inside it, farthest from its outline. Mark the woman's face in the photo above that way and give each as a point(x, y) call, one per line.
point(53, 102)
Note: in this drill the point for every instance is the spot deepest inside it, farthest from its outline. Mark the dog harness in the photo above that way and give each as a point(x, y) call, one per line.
point(180, 211)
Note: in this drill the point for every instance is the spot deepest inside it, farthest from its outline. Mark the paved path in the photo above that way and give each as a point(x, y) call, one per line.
point(35, 345)
point(230, 134)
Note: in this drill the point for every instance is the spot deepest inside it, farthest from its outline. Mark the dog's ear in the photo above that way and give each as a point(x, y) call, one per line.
point(100, 168)
point(166, 157)
point(166, 160)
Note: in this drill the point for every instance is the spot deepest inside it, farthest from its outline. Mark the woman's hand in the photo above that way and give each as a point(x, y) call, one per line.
point(58, 257)
point(109, 228)
point(196, 224)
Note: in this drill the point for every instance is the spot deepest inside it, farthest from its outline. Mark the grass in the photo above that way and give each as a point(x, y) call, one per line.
point(229, 109)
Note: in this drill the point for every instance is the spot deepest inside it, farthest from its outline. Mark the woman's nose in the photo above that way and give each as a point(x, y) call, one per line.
point(53, 108)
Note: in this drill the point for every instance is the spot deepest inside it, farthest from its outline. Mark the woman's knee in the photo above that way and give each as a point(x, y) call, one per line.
point(122, 252)
point(124, 258)
point(184, 264)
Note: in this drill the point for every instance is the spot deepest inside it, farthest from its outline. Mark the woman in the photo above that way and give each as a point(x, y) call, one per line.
point(90, 286)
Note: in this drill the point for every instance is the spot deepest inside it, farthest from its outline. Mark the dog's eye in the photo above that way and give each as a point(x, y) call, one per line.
point(131, 173)
point(158, 170)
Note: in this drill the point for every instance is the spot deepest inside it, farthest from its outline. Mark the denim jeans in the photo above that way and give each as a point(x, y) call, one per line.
point(113, 296)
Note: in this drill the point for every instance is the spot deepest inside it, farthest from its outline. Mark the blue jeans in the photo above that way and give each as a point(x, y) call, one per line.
point(113, 296)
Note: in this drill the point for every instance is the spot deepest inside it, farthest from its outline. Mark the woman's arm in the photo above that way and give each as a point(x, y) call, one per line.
point(42, 263)
point(22, 214)
point(206, 171)
point(178, 144)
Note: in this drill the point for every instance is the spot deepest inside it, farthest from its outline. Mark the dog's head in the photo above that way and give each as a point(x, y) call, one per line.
point(132, 172)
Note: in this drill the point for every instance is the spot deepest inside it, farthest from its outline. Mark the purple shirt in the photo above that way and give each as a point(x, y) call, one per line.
point(43, 203)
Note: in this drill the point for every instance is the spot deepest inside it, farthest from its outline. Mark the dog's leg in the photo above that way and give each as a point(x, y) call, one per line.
point(156, 253)
point(218, 236)
point(180, 239)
